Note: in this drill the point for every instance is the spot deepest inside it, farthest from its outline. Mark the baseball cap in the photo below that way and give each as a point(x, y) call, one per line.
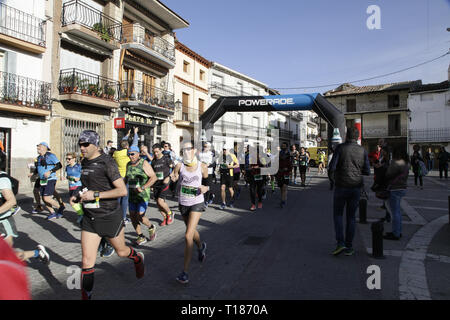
point(134, 149)
point(45, 144)
point(89, 136)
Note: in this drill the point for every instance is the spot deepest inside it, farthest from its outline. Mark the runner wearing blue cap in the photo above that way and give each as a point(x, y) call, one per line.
point(47, 165)
point(140, 177)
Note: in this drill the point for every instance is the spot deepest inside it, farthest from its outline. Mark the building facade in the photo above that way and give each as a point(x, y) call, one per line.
point(381, 109)
point(429, 125)
point(25, 89)
point(146, 69)
point(247, 127)
point(191, 80)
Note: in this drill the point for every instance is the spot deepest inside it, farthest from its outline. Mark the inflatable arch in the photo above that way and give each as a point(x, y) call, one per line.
point(315, 102)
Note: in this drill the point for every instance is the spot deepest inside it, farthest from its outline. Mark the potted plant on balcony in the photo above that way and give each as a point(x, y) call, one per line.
point(93, 89)
point(110, 92)
point(83, 86)
point(102, 31)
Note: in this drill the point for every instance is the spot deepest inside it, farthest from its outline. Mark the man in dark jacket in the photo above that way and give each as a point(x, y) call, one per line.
point(350, 162)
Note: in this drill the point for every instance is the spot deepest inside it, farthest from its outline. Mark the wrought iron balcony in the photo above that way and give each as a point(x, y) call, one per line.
point(146, 94)
point(153, 47)
point(383, 132)
point(311, 137)
point(76, 12)
point(20, 25)
point(429, 135)
point(24, 92)
point(186, 114)
point(88, 84)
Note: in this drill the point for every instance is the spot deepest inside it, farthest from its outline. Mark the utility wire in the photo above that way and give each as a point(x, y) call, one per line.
point(361, 80)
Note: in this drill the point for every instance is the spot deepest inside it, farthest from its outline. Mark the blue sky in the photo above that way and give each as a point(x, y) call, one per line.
point(298, 43)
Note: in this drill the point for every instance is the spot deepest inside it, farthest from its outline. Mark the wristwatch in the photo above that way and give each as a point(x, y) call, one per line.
point(97, 195)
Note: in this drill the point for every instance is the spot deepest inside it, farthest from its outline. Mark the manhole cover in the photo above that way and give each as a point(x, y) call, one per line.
point(254, 240)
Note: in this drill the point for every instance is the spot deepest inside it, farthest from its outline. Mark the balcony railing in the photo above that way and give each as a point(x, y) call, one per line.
point(22, 91)
point(78, 12)
point(430, 135)
point(147, 94)
point(382, 132)
point(86, 83)
point(136, 33)
point(21, 25)
point(311, 136)
point(224, 90)
point(187, 114)
point(285, 133)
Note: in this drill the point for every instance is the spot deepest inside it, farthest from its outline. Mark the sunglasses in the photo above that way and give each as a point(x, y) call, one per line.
point(69, 159)
point(188, 149)
point(84, 144)
point(133, 153)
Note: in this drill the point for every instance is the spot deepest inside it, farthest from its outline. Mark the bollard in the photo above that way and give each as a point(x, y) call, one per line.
point(377, 240)
point(363, 210)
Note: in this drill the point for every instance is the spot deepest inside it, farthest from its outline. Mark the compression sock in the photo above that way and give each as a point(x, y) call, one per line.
point(134, 256)
point(87, 283)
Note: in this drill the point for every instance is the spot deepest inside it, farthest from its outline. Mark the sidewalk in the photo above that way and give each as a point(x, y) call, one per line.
point(272, 253)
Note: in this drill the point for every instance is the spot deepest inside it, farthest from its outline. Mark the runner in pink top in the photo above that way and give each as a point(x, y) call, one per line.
point(191, 203)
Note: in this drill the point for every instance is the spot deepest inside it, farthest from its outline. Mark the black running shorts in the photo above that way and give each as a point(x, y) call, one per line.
point(185, 211)
point(161, 191)
point(105, 226)
point(227, 180)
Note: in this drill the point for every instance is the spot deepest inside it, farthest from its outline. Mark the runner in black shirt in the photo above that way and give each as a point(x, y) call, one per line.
point(103, 185)
point(162, 165)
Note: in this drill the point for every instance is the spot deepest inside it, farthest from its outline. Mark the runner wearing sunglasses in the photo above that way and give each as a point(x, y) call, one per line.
point(140, 177)
point(102, 213)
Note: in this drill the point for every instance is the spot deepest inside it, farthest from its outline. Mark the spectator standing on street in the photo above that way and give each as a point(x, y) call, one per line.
point(443, 158)
point(103, 217)
point(396, 177)
point(416, 158)
point(108, 147)
point(350, 162)
point(122, 159)
point(429, 157)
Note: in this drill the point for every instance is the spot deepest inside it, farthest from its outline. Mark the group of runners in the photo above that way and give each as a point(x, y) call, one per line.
point(104, 182)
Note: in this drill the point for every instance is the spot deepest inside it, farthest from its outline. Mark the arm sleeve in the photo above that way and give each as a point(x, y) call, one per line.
point(57, 167)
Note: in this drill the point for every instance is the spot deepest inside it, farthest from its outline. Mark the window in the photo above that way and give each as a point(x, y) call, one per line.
point(185, 66)
point(393, 101)
point(185, 108)
point(394, 125)
point(240, 89)
point(426, 97)
point(202, 75)
point(201, 106)
point(351, 105)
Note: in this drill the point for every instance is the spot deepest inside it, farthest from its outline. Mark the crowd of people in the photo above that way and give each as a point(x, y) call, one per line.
point(109, 188)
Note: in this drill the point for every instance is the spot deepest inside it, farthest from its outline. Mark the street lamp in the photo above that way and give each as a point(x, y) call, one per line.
point(178, 105)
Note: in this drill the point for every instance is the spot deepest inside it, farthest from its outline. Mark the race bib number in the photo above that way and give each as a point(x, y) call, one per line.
point(303, 163)
point(92, 204)
point(258, 177)
point(224, 166)
point(43, 182)
point(160, 175)
point(295, 162)
point(286, 177)
point(189, 192)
